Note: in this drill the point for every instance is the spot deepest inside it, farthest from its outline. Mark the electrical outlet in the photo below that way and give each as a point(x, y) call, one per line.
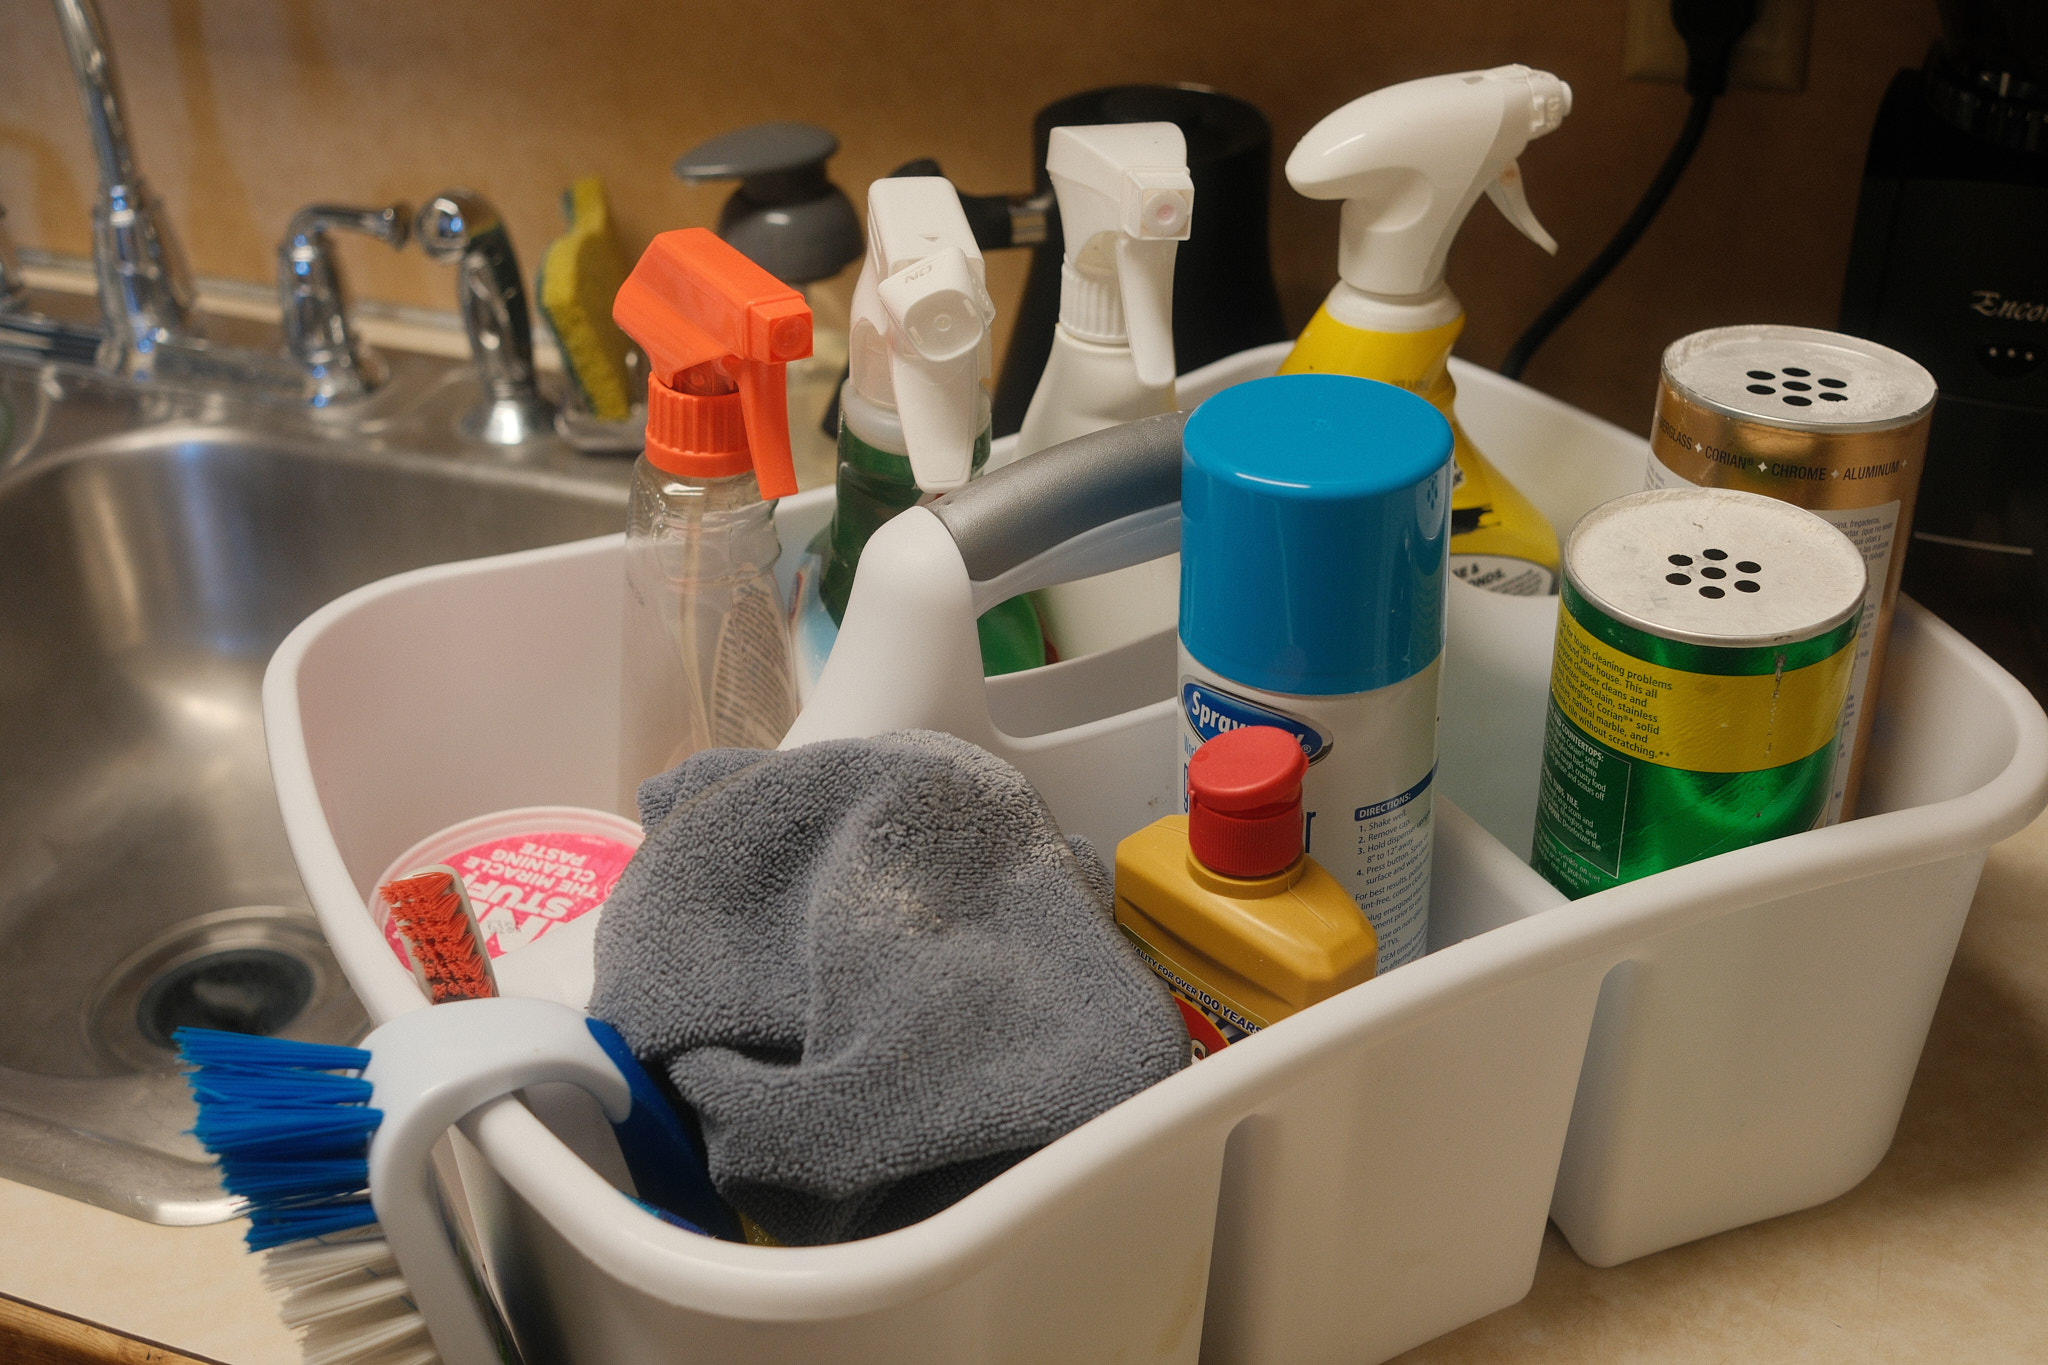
point(1771, 56)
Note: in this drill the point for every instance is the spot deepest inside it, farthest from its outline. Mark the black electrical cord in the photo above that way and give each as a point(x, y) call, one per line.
point(1610, 255)
point(1711, 29)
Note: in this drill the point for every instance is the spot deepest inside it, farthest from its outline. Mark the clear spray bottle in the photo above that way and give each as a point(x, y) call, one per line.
point(706, 658)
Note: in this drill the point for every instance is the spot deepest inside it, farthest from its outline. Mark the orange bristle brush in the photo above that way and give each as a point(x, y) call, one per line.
point(440, 927)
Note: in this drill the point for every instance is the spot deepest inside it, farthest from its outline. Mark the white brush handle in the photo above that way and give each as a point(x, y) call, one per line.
point(429, 1069)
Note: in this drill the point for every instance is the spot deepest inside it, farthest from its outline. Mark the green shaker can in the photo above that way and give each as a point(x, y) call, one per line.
point(1705, 639)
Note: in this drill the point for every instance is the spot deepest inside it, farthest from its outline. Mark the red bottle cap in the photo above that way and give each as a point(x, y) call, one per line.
point(1244, 802)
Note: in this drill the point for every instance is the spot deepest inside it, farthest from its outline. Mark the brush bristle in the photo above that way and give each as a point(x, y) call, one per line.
point(348, 1302)
point(290, 1124)
point(212, 1047)
point(428, 908)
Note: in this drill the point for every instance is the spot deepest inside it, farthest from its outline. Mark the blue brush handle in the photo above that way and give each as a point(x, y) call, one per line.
point(668, 1166)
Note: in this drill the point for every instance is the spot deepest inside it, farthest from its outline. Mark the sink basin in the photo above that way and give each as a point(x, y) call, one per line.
point(153, 552)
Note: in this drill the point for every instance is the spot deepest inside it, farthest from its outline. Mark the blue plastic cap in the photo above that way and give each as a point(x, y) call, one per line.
point(1315, 520)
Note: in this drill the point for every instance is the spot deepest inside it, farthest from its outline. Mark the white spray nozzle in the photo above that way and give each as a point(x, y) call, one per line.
point(920, 325)
point(1409, 162)
point(1126, 204)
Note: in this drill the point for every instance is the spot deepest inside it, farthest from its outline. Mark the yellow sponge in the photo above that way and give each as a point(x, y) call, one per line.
point(579, 276)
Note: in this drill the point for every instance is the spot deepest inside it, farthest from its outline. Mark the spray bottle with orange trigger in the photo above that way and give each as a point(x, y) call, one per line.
point(1409, 162)
point(706, 660)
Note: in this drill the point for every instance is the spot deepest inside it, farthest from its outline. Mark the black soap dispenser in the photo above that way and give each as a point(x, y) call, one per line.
point(791, 220)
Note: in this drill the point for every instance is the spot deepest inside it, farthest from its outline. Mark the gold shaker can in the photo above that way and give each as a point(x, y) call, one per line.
point(1831, 423)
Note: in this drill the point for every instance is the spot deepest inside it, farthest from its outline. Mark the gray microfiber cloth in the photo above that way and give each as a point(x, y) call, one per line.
point(876, 972)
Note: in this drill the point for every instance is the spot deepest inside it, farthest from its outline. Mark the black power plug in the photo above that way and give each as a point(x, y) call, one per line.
point(1711, 29)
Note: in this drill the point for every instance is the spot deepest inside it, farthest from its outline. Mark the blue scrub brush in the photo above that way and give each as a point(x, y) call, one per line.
point(331, 1148)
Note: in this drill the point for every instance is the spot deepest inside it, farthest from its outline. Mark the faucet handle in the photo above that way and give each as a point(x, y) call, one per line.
point(388, 225)
point(452, 221)
point(25, 331)
point(13, 290)
point(461, 227)
point(317, 331)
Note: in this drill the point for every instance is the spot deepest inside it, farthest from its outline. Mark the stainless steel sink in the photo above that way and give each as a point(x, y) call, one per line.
point(154, 549)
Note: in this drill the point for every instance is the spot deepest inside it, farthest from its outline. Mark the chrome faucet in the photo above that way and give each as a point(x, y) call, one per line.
point(148, 329)
point(461, 228)
point(145, 291)
point(317, 332)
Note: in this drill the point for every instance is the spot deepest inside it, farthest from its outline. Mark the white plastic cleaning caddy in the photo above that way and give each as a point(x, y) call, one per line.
point(1680, 1055)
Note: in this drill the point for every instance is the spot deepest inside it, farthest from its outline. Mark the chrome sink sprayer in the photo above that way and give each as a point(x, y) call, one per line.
point(461, 228)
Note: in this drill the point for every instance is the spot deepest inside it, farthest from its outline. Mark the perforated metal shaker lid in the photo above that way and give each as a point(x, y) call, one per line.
point(1713, 566)
point(1800, 378)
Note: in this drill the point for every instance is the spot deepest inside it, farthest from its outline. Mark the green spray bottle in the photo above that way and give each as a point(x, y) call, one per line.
point(914, 415)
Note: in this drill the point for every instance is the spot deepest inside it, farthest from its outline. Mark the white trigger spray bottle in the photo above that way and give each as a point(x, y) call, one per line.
point(1126, 205)
point(1409, 162)
point(914, 415)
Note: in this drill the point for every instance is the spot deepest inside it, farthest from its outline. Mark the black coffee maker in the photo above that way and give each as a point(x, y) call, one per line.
point(1949, 264)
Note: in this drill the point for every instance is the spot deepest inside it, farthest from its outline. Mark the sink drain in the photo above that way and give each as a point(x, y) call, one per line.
point(241, 990)
point(252, 969)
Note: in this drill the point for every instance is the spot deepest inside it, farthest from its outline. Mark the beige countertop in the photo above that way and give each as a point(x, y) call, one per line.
point(193, 1288)
point(1941, 1255)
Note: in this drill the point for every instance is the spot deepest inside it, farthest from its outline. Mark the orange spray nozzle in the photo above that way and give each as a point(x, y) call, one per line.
point(704, 314)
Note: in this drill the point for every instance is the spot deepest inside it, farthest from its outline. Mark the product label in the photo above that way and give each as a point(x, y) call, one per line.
point(1604, 818)
point(1702, 722)
point(752, 693)
point(1367, 798)
point(525, 885)
point(1584, 795)
point(1648, 766)
point(1504, 574)
point(1874, 531)
point(1214, 1021)
point(1209, 712)
point(1389, 866)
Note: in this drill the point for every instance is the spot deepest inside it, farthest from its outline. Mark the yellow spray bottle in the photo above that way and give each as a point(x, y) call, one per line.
point(1409, 162)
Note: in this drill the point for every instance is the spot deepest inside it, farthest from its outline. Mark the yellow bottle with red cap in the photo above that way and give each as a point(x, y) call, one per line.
point(706, 661)
point(1223, 903)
